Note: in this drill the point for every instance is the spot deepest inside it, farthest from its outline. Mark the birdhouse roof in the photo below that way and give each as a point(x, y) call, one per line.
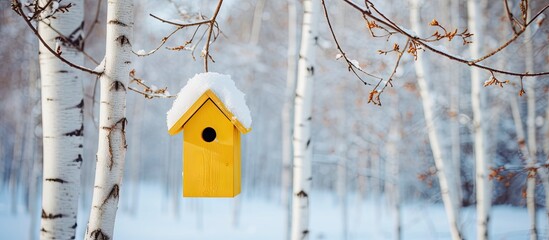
point(218, 88)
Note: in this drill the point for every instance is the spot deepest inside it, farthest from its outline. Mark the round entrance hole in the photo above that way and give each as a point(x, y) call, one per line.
point(208, 134)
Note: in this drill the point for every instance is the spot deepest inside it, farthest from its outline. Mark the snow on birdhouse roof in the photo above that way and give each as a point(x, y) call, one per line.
point(223, 87)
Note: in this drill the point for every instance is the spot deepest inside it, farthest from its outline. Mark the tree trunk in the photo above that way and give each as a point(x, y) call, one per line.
point(531, 178)
point(393, 167)
point(447, 187)
point(545, 171)
point(62, 119)
point(257, 22)
point(287, 116)
point(455, 78)
point(112, 120)
point(475, 24)
point(531, 125)
point(302, 122)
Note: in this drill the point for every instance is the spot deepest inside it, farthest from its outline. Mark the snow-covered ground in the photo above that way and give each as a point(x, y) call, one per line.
point(261, 218)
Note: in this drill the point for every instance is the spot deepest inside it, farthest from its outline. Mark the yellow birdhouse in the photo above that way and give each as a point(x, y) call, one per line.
point(211, 148)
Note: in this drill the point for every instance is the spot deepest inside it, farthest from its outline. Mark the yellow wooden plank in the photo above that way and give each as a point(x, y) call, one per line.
point(237, 162)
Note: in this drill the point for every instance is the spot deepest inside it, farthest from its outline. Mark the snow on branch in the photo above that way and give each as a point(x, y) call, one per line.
point(148, 91)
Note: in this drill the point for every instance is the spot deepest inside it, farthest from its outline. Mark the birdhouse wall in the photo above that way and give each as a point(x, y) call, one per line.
point(237, 163)
point(211, 165)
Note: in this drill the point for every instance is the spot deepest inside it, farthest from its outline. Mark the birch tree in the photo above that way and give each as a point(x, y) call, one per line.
point(447, 187)
point(530, 164)
point(112, 120)
point(531, 126)
point(393, 169)
point(302, 122)
point(287, 114)
point(62, 107)
point(483, 189)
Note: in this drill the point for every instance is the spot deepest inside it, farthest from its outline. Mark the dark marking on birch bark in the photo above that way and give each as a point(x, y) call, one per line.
point(115, 21)
point(123, 122)
point(302, 194)
point(309, 118)
point(77, 132)
point(311, 70)
point(78, 159)
point(49, 99)
point(74, 226)
point(128, 62)
point(112, 194)
point(77, 36)
point(310, 179)
point(59, 180)
point(51, 216)
point(73, 237)
point(308, 143)
point(297, 95)
point(305, 233)
point(123, 40)
point(79, 105)
point(80, 146)
point(316, 40)
point(117, 86)
point(97, 234)
point(62, 71)
point(43, 230)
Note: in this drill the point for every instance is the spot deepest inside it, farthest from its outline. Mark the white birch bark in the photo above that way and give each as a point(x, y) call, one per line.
point(287, 116)
point(393, 178)
point(454, 106)
point(531, 126)
point(302, 122)
point(62, 119)
point(447, 188)
point(544, 171)
point(257, 22)
point(112, 120)
point(483, 188)
point(530, 163)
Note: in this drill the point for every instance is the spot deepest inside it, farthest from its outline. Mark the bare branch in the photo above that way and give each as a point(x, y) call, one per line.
point(149, 92)
point(182, 25)
point(162, 42)
point(350, 66)
point(208, 40)
point(512, 19)
point(387, 22)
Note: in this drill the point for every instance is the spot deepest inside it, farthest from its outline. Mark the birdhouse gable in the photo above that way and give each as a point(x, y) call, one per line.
point(208, 95)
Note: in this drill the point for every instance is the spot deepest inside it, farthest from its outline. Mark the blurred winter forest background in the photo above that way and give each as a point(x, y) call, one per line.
point(356, 143)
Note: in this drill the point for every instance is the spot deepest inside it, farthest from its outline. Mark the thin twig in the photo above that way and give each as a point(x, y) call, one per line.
point(162, 42)
point(510, 16)
point(350, 64)
point(390, 79)
point(207, 47)
point(182, 25)
point(95, 22)
point(517, 34)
